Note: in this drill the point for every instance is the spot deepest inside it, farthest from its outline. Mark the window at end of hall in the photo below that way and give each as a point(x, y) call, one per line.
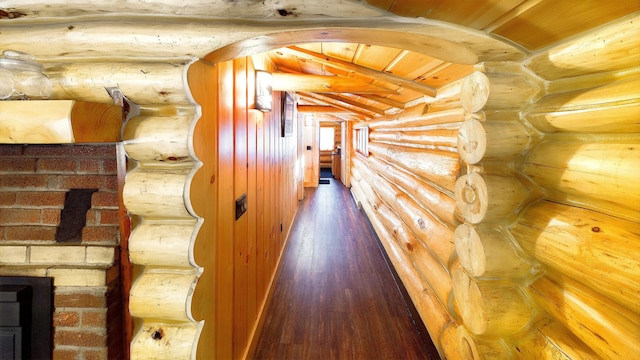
point(327, 138)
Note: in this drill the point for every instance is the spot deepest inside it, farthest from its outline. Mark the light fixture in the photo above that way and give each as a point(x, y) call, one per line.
point(21, 78)
point(264, 97)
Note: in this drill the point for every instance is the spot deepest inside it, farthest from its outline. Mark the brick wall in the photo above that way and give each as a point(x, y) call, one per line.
point(34, 182)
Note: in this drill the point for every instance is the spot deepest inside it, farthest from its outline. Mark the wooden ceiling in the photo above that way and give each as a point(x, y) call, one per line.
point(347, 81)
point(531, 25)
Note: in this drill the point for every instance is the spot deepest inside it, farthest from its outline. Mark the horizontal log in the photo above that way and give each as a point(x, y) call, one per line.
point(441, 204)
point(611, 108)
point(496, 91)
point(59, 122)
point(489, 198)
point(476, 348)
point(491, 308)
point(157, 193)
point(141, 82)
point(434, 274)
point(608, 329)
point(485, 251)
point(157, 340)
point(436, 138)
point(448, 342)
point(596, 249)
point(158, 139)
point(434, 316)
point(585, 54)
point(432, 234)
point(324, 84)
point(162, 244)
point(416, 117)
point(548, 339)
point(396, 228)
point(163, 294)
point(586, 170)
point(440, 167)
point(491, 140)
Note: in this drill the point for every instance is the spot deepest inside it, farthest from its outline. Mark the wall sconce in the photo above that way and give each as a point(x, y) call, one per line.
point(264, 97)
point(21, 78)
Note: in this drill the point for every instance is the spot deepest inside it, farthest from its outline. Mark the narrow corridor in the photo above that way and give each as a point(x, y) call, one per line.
point(335, 297)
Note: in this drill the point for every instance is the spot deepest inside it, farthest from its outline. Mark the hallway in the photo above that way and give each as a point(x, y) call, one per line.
point(335, 297)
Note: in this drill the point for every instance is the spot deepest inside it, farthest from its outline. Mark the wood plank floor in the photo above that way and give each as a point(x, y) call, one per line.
point(335, 297)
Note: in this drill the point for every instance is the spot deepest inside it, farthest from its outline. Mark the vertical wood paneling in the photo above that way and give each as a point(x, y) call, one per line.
point(226, 213)
point(240, 237)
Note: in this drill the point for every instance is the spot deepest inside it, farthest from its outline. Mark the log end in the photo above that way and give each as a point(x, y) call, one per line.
point(470, 250)
point(472, 141)
point(474, 92)
point(472, 197)
point(470, 302)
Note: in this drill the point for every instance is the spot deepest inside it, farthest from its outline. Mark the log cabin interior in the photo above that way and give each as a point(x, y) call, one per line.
point(493, 146)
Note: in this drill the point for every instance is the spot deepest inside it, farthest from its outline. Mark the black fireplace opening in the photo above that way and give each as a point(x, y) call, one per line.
point(26, 309)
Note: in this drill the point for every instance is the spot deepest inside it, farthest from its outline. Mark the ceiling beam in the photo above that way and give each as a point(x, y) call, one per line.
point(363, 70)
point(355, 110)
point(320, 109)
point(393, 103)
point(345, 100)
point(324, 84)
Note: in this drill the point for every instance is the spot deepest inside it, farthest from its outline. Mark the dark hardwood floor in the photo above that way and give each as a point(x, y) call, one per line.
point(335, 297)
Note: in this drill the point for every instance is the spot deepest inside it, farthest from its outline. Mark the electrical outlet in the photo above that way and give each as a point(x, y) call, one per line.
point(241, 206)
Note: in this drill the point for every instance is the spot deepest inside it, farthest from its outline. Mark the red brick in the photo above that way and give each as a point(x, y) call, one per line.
point(110, 166)
point(89, 166)
point(106, 151)
point(41, 198)
point(102, 234)
point(93, 217)
point(7, 198)
point(66, 318)
point(81, 182)
point(93, 354)
point(49, 150)
point(45, 233)
point(80, 300)
point(65, 354)
point(56, 165)
point(17, 165)
point(10, 150)
point(14, 216)
point(111, 182)
point(51, 216)
point(109, 217)
point(25, 181)
point(94, 318)
point(102, 198)
point(80, 338)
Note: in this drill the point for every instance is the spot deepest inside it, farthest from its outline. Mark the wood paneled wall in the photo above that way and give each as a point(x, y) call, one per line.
point(202, 276)
point(511, 209)
point(249, 157)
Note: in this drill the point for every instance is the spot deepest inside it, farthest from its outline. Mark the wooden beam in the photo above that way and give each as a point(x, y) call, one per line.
point(383, 100)
point(351, 67)
point(323, 84)
point(320, 109)
point(351, 108)
point(59, 122)
point(345, 100)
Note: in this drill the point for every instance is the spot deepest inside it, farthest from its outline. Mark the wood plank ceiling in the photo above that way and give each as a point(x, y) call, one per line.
point(400, 77)
point(373, 80)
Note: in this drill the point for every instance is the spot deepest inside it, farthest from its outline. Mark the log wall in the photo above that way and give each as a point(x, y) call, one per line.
point(513, 211)
point(203, 276)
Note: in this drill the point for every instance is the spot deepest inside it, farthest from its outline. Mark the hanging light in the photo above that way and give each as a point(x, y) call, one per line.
point(21, 78)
